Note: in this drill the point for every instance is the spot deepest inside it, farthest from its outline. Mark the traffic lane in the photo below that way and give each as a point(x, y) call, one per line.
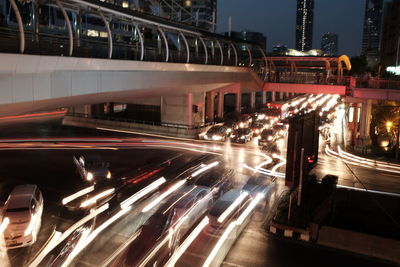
point(370, 178)
point(28, 167)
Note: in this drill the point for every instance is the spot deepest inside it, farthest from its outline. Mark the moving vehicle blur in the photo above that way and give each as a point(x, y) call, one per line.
point(267, 136)
point(280, 129)
point(242, 135)
point(22, 213)
point(92, 168)
point(257, 128)
point(217, 133)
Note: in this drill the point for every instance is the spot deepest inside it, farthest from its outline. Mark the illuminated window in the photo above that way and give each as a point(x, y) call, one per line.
point(103, 34)
point(93, 33)
point(351, 114)
point(125, 4)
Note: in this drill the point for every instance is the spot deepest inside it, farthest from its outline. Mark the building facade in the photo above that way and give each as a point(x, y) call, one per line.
point(372, 28)
point(304, 24)
point(254, 37)
point(329, 44)
point(391, 34)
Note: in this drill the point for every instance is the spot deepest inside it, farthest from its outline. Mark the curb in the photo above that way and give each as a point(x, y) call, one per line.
point(289, 232)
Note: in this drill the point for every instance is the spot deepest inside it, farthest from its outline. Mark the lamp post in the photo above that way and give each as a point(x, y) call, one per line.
point(397, 54)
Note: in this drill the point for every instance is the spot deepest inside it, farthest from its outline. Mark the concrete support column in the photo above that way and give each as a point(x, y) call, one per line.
point(264, 97)
point(189, 112)
point(354, 123)
point(238, 105)
point(252, 100)
point(365, 119)
point(210, 106)
point(273, 96)
point(280, 96)
point(87, 110)
point(109, 108)
point(220, 111)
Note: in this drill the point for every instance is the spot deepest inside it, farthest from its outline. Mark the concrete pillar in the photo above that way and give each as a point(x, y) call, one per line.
point(280, 96)
point(365, 119)
point(109, 108)
point(87, 110)
point(238, 105)
point(354, 124)
point(220, 111)
point(210, 106)
point(264, 97)
point(189, 113)
point(252, 100)
point(273, 96)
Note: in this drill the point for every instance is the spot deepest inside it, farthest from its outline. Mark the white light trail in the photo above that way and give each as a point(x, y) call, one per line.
point(205, 168)
point(250, 208)
point(80, 193)
point(188, 241)
point(219, 244)
point(94, 199)
point(164, 195)
point(56, 241)
point(4, 225)
point(232, 207)
point(132, 199)
point(86, 241)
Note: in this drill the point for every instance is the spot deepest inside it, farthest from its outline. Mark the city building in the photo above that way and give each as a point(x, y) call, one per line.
point(254, 37)
point(372, 30)
point(279, 49)
point(390, 35)
point(329, 44)
point(304, 24)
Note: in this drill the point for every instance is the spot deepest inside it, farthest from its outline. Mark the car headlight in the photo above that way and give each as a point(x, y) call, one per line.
point(257, 131)
point(243, 137)
point(216, 137)
point(269, 138)
point(108, 175)
point(241, 125)
point(89, 176)
point(229, 130)
point(232, 135)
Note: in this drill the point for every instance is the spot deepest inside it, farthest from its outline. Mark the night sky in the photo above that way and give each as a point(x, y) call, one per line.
point(277, 20)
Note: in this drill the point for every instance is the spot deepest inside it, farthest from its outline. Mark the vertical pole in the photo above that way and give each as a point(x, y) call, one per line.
point(229, 26)
point(301, 178)
point(397, 54)
point(398, 138)
point(290, 207)
point(220, 105)
point(239, 102)
point(190, 109)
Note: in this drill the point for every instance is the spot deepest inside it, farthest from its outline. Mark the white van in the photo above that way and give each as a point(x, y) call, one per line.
point(23, 214)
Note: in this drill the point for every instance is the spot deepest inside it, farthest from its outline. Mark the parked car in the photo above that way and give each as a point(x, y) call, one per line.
point(245, 121)
point(242, 135)
point(217, 133)
point(22, 213)
point(92, 168)
point(267, 137)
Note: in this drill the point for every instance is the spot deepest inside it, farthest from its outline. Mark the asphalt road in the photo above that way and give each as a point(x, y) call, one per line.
point(48, 163)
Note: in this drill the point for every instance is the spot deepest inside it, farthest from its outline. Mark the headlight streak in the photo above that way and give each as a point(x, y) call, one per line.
point(283, 162)
point(175, 187)
point(89, 176)
point(80, 246)
point(188, 241)
point(205, 168)
point(219, 244)
point(250, 208)
point(61, 237)
point(31, 224)
point(132, 199)
point(94, 199)
point(232, 207)
point(4, 224)
point(184, 195)
point(264, 171)
point(78, 194)
point(362, 162)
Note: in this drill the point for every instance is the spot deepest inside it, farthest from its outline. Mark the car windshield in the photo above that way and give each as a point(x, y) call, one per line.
point(267, 132)
point(18, 209)
point(243, 131)
point(215, 130)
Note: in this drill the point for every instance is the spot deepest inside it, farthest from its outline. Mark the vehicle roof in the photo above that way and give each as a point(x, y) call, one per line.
point(25, 189)
point(18, 201)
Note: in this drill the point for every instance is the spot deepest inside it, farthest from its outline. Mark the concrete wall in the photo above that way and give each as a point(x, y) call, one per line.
point(360, 243)
point(178, 109)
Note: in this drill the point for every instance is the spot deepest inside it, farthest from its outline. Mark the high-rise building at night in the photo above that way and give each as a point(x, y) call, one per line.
point(372, 27)
point(390, 34)
point(304, 24)
point(329, 43)
point(254, 37)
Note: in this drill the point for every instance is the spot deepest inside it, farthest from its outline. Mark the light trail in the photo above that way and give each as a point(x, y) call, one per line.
point(205, 168)
point(56, 241)
point(232, 207)
point(219, 244)
point(188, 241)
point(250, 208)
point(87, 240)
point(33, 115)
point(78, 194)
point(164, 195)
point(94, 199)
point(132, 199)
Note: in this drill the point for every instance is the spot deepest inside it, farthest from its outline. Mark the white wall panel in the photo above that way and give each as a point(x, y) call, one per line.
point(23, 88)
point(41, 86)
point(61, 84)
point(6, 88)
